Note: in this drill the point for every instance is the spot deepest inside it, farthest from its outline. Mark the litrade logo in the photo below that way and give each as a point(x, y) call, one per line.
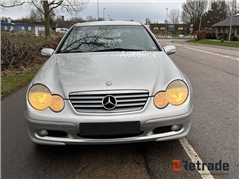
point(178, 166)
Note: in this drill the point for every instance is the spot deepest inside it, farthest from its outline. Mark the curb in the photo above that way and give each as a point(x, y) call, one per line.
point(220, 47)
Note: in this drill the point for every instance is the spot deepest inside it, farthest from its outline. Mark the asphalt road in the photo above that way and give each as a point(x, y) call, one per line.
point(214, 134)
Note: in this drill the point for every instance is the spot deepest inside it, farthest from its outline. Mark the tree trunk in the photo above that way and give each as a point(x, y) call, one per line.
point(46, 16)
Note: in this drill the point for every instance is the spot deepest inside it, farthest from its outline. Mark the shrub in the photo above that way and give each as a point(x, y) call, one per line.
point(200, 35)
point(22, 50)
point(175, 35)
point(235, 38)
point(223, 36)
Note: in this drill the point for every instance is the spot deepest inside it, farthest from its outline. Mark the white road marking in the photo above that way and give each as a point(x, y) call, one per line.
point(236, 59)
point(205, 174)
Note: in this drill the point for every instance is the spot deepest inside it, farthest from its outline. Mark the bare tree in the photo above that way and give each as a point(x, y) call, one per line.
point(47, 6)
point(233, 7)
point(89, 18)
point(192, 11)
point(36, 16)
point(174, 16)
point(77, 19)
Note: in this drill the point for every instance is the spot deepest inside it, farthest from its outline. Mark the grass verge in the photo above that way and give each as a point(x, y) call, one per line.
point(175, 35)
point(13, 81)
point(216, 43)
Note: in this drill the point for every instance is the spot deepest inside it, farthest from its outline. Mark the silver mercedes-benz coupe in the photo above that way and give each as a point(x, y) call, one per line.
point(108, 82)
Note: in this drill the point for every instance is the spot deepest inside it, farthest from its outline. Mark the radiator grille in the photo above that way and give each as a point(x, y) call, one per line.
point(92, 102)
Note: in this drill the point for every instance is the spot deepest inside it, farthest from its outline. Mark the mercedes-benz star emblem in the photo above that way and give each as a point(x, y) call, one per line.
point(109, 102)
point(108, 83)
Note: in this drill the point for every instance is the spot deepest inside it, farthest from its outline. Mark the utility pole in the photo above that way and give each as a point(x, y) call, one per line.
point(104, 14)
point(98, 10)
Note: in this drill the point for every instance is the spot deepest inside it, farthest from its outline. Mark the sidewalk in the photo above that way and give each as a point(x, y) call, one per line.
point(205, 45)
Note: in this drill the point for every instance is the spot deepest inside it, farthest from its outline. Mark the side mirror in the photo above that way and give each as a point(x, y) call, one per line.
point(170, 49)
point(47, 52)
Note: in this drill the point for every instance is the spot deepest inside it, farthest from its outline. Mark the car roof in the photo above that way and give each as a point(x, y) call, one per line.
point(101, 23)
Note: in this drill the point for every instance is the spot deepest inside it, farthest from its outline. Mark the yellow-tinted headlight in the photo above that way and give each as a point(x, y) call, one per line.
point(177, 92)
point(39, 97)
point(160, 100)
point(57, 103)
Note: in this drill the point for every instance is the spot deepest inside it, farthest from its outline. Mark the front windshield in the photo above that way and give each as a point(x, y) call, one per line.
point(108, 38)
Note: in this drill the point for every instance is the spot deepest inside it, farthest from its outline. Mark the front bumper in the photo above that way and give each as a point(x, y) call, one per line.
point(68, 121)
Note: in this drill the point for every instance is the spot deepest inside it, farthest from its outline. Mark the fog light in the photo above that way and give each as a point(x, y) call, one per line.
point(43, 132)
point(176, 127)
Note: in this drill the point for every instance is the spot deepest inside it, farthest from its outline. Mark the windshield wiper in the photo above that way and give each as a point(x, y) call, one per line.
point(118, 49)
point(71, 51)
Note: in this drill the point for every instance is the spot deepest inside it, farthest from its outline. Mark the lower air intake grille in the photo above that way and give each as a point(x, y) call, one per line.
point(109, 101)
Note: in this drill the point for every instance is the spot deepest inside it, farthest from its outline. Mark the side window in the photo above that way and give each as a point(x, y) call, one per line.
point(23, 28)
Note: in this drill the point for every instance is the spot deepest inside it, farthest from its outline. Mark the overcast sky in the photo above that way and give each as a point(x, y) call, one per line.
point(138, 10)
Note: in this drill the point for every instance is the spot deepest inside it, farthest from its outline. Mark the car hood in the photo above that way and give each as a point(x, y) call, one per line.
point(65, 73)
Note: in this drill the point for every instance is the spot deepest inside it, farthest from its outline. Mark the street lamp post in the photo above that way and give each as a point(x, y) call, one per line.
point(104, 14)
point(166, 23)
point(199, 28)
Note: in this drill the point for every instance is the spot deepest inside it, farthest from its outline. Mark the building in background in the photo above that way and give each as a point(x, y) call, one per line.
point(22, 27)
point(159, 28)
point(223, 27)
